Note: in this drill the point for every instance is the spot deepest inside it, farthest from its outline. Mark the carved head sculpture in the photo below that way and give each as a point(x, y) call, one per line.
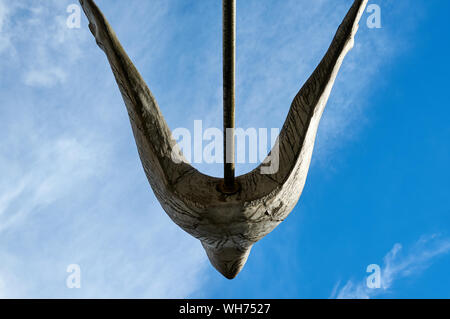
point(227, 221)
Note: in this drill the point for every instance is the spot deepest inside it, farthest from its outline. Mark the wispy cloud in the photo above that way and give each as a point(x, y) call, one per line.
point(397, 264)
point(52, 172)
point(71, 189)
point(35, 39)
point(45, 78)
point(5, 41)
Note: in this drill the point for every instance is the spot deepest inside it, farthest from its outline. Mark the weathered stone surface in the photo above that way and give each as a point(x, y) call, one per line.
point(227, 225)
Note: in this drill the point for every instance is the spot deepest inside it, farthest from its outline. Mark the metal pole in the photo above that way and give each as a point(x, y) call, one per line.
point(229, 51)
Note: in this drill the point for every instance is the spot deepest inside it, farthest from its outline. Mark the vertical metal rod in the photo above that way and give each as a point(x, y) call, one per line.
point(229, 52)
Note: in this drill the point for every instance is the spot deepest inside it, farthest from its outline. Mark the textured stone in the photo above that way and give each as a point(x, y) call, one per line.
point(226, 224)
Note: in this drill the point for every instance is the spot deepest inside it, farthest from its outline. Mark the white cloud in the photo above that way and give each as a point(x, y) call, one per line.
point(47, 77)
point(396, 266)
point(72, 188)
point(52, 171)
point(36, 39)
point(64, 201)
point(5, 41)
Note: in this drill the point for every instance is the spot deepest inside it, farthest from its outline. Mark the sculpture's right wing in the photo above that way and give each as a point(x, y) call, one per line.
point(290, 158)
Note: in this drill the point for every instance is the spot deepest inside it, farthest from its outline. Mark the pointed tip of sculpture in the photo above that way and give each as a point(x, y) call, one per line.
point(230, 275)
point(229, 261)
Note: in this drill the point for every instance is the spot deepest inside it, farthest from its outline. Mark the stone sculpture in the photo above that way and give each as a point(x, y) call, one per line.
point(227, 220)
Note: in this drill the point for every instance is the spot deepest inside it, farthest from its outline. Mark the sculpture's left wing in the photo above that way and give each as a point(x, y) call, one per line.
point(161, 160)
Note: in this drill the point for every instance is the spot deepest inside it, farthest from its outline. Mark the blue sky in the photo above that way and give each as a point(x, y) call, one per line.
point(72, 189)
